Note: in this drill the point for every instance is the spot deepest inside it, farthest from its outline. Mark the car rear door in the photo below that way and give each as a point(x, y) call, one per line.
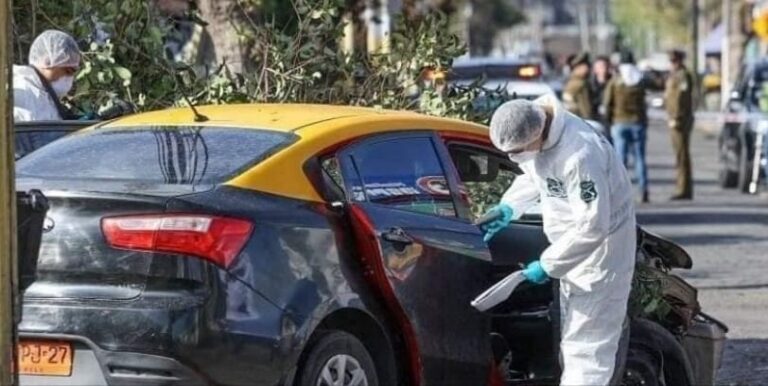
point(419, 255)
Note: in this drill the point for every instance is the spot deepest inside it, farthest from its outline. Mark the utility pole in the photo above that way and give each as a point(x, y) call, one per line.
point(584, 25)
point(7, 206)
point(697, 93)
point(725, 55)
point(695, 39)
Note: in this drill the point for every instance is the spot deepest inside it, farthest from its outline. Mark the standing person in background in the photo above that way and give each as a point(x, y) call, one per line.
point(577, 94)
point(601, 76)
point(54, 58)
point(626, 113)
point(678, 97)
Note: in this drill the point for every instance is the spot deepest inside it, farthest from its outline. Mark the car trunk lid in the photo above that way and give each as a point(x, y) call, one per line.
point(75, 260)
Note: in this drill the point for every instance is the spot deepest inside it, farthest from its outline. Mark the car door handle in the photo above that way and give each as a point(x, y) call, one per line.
point(397, 236)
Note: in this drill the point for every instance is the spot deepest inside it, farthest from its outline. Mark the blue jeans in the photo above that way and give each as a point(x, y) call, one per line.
point(631, 137)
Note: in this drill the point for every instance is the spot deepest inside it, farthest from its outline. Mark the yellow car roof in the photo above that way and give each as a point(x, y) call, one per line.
point(280, 117)
point(318, 128)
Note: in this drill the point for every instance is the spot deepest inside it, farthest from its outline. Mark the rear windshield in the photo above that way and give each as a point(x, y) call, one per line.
point(159, 154)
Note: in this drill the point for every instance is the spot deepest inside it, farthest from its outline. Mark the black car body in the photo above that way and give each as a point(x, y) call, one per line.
point(337, 243)
point(743, 119)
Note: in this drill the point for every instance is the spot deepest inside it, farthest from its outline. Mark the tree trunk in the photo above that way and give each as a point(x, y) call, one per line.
point(222, 16)
point(355, 9)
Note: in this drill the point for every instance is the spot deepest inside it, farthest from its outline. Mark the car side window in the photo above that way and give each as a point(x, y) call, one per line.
point(404, 173)
point(484, 176)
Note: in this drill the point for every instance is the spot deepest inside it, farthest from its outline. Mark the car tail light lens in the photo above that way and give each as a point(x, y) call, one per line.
point(216, 239)
point(528, 71)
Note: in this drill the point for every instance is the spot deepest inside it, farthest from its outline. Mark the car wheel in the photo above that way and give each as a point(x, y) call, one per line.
point(336, 358)
point(745, 168)
point(641, 369)
point(728, 178)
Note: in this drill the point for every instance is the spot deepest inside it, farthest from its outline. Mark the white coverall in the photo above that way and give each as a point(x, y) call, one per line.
point(31, 102)
point(589, 218)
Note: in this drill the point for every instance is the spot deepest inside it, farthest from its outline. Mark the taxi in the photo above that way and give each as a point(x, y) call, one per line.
point(284, 245)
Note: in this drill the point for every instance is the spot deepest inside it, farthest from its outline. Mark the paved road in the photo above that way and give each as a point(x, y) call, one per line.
point(727, 234)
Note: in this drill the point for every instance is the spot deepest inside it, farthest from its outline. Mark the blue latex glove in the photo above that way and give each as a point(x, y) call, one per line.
point(535, 274)
point(493, 227)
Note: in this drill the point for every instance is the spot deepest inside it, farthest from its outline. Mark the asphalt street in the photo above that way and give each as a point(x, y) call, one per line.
point(726, 233)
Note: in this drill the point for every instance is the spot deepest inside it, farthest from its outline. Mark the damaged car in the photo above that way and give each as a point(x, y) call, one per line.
point(308, 245)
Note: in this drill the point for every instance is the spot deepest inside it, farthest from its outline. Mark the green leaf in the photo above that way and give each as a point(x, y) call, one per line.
point(122, 73)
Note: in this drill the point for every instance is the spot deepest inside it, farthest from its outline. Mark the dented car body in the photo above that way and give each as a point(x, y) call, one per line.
point(271, 243)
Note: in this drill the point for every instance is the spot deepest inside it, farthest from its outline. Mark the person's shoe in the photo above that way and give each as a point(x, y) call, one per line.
point(680, 197)
point(644, 198)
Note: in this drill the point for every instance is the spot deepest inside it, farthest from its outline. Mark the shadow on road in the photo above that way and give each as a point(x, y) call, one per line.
point(672, 181)
point(745, 363)
point(714, 239)
point(702, 216)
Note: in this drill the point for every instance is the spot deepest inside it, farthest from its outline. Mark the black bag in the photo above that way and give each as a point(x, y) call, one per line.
point(31, 208)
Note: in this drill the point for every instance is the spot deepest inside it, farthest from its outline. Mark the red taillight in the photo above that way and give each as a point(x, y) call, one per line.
point(217, 239)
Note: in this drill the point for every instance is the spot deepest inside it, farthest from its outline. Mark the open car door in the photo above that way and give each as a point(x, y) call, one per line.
point(423, 260)
point(528, 321)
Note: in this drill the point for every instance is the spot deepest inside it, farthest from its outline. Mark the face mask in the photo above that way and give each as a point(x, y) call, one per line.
point(523, 157)
point(62, 85)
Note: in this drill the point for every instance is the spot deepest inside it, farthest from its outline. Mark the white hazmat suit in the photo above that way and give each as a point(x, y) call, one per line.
point(31, 100)
point(589, 218)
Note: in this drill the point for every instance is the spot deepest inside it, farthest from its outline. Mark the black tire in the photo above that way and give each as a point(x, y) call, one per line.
point(728, 179)
point(641, 369)
point(729, 146)
point(326, 346)
point(745, 168)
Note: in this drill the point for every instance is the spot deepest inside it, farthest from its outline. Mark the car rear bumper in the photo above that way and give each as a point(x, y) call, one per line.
point(96, 367)
point(230, 336)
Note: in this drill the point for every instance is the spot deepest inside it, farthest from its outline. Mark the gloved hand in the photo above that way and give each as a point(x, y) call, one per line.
point(500, 223)
point(535, 274)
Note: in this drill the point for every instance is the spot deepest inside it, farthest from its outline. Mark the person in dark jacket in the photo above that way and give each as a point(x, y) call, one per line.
point(577, 94)
point(626, 112)
point(601, 76)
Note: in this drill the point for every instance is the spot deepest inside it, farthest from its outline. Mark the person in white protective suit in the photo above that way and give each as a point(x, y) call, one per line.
point(54, 58)
point(589, 218)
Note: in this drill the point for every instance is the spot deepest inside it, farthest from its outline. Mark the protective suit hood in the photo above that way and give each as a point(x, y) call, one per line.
point(557, 126)
point(630, 75)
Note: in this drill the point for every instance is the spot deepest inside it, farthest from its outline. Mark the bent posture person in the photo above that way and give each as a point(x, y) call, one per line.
point(589, 218)
point(37, 88)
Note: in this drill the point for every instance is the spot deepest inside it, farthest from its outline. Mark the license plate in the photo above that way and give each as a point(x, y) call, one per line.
point(39, 357)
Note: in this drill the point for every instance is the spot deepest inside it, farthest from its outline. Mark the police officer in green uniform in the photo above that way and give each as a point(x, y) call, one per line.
point(577, 94)
point(678, 97)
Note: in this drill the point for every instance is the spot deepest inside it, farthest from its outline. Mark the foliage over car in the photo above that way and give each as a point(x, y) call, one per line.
point(126, 58)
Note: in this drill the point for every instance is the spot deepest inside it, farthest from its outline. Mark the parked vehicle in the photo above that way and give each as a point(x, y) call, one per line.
point(31, 136)
point(743, 118)
point(521, 78)
point(303, 245)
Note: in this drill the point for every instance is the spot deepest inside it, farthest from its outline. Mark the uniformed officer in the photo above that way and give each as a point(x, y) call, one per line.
point(678, 97)
point(577, 94)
